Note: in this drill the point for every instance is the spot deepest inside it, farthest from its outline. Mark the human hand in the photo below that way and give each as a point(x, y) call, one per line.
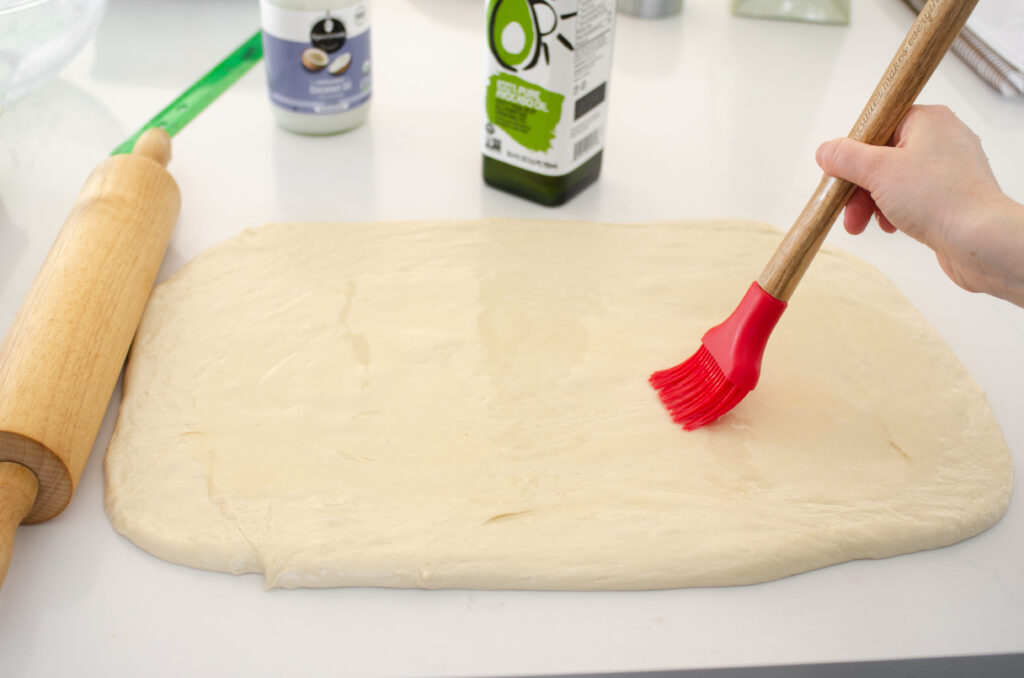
point(934, 183)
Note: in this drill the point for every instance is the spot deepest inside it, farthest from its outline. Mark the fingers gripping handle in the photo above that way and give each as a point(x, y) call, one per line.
point(928, 40)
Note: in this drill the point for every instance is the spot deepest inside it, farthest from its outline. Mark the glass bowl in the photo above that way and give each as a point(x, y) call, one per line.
point(38, 38)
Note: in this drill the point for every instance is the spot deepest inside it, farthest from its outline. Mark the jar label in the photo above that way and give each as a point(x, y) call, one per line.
point(318, 62)
point(547, 81)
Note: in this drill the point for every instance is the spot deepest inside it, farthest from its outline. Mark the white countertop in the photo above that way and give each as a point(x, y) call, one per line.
point(710, 116)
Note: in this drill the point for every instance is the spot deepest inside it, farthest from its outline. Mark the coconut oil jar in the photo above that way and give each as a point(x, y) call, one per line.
point(317, 55)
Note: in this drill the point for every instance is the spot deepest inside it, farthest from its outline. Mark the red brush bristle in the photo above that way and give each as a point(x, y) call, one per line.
point(696, 391)
point(726, 367)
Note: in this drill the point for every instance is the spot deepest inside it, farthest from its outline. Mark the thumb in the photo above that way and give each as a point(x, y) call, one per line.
point(852, 160)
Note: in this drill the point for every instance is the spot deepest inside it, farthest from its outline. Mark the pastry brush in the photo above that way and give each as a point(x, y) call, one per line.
point(728, 363)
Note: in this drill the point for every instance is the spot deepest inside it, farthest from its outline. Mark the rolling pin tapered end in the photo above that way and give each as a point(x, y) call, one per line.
point(18, 488)
point(155, 143)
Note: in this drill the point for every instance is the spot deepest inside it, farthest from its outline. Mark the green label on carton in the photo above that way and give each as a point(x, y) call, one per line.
point(527, 112)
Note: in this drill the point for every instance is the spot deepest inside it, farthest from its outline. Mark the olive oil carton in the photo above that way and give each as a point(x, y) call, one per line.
point(548, 63)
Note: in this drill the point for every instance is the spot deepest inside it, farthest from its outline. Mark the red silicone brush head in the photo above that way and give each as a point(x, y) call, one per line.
point(725, 368)
point(696, 392)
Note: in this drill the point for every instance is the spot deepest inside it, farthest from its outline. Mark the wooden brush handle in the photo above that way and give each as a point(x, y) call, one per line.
point(61, 358)
point(938, 24)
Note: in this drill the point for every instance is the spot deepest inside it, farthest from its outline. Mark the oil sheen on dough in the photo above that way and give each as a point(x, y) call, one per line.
point(465, 404)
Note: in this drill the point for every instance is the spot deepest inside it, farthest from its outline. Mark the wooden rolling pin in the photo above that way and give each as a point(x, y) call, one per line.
point(62, 356)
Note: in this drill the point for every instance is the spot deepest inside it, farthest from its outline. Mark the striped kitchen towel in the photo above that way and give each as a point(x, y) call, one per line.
point(992, 43)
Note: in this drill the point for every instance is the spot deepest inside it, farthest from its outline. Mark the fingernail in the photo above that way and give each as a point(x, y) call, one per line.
point(819, 155)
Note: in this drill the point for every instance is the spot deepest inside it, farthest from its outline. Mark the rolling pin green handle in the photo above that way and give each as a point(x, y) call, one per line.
point(192, 101)
point(18, 489)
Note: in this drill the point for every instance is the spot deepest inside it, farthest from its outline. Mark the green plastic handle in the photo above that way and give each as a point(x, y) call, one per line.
point(197, 97)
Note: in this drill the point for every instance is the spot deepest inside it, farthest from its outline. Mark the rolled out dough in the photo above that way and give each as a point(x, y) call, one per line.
point(465, 404)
